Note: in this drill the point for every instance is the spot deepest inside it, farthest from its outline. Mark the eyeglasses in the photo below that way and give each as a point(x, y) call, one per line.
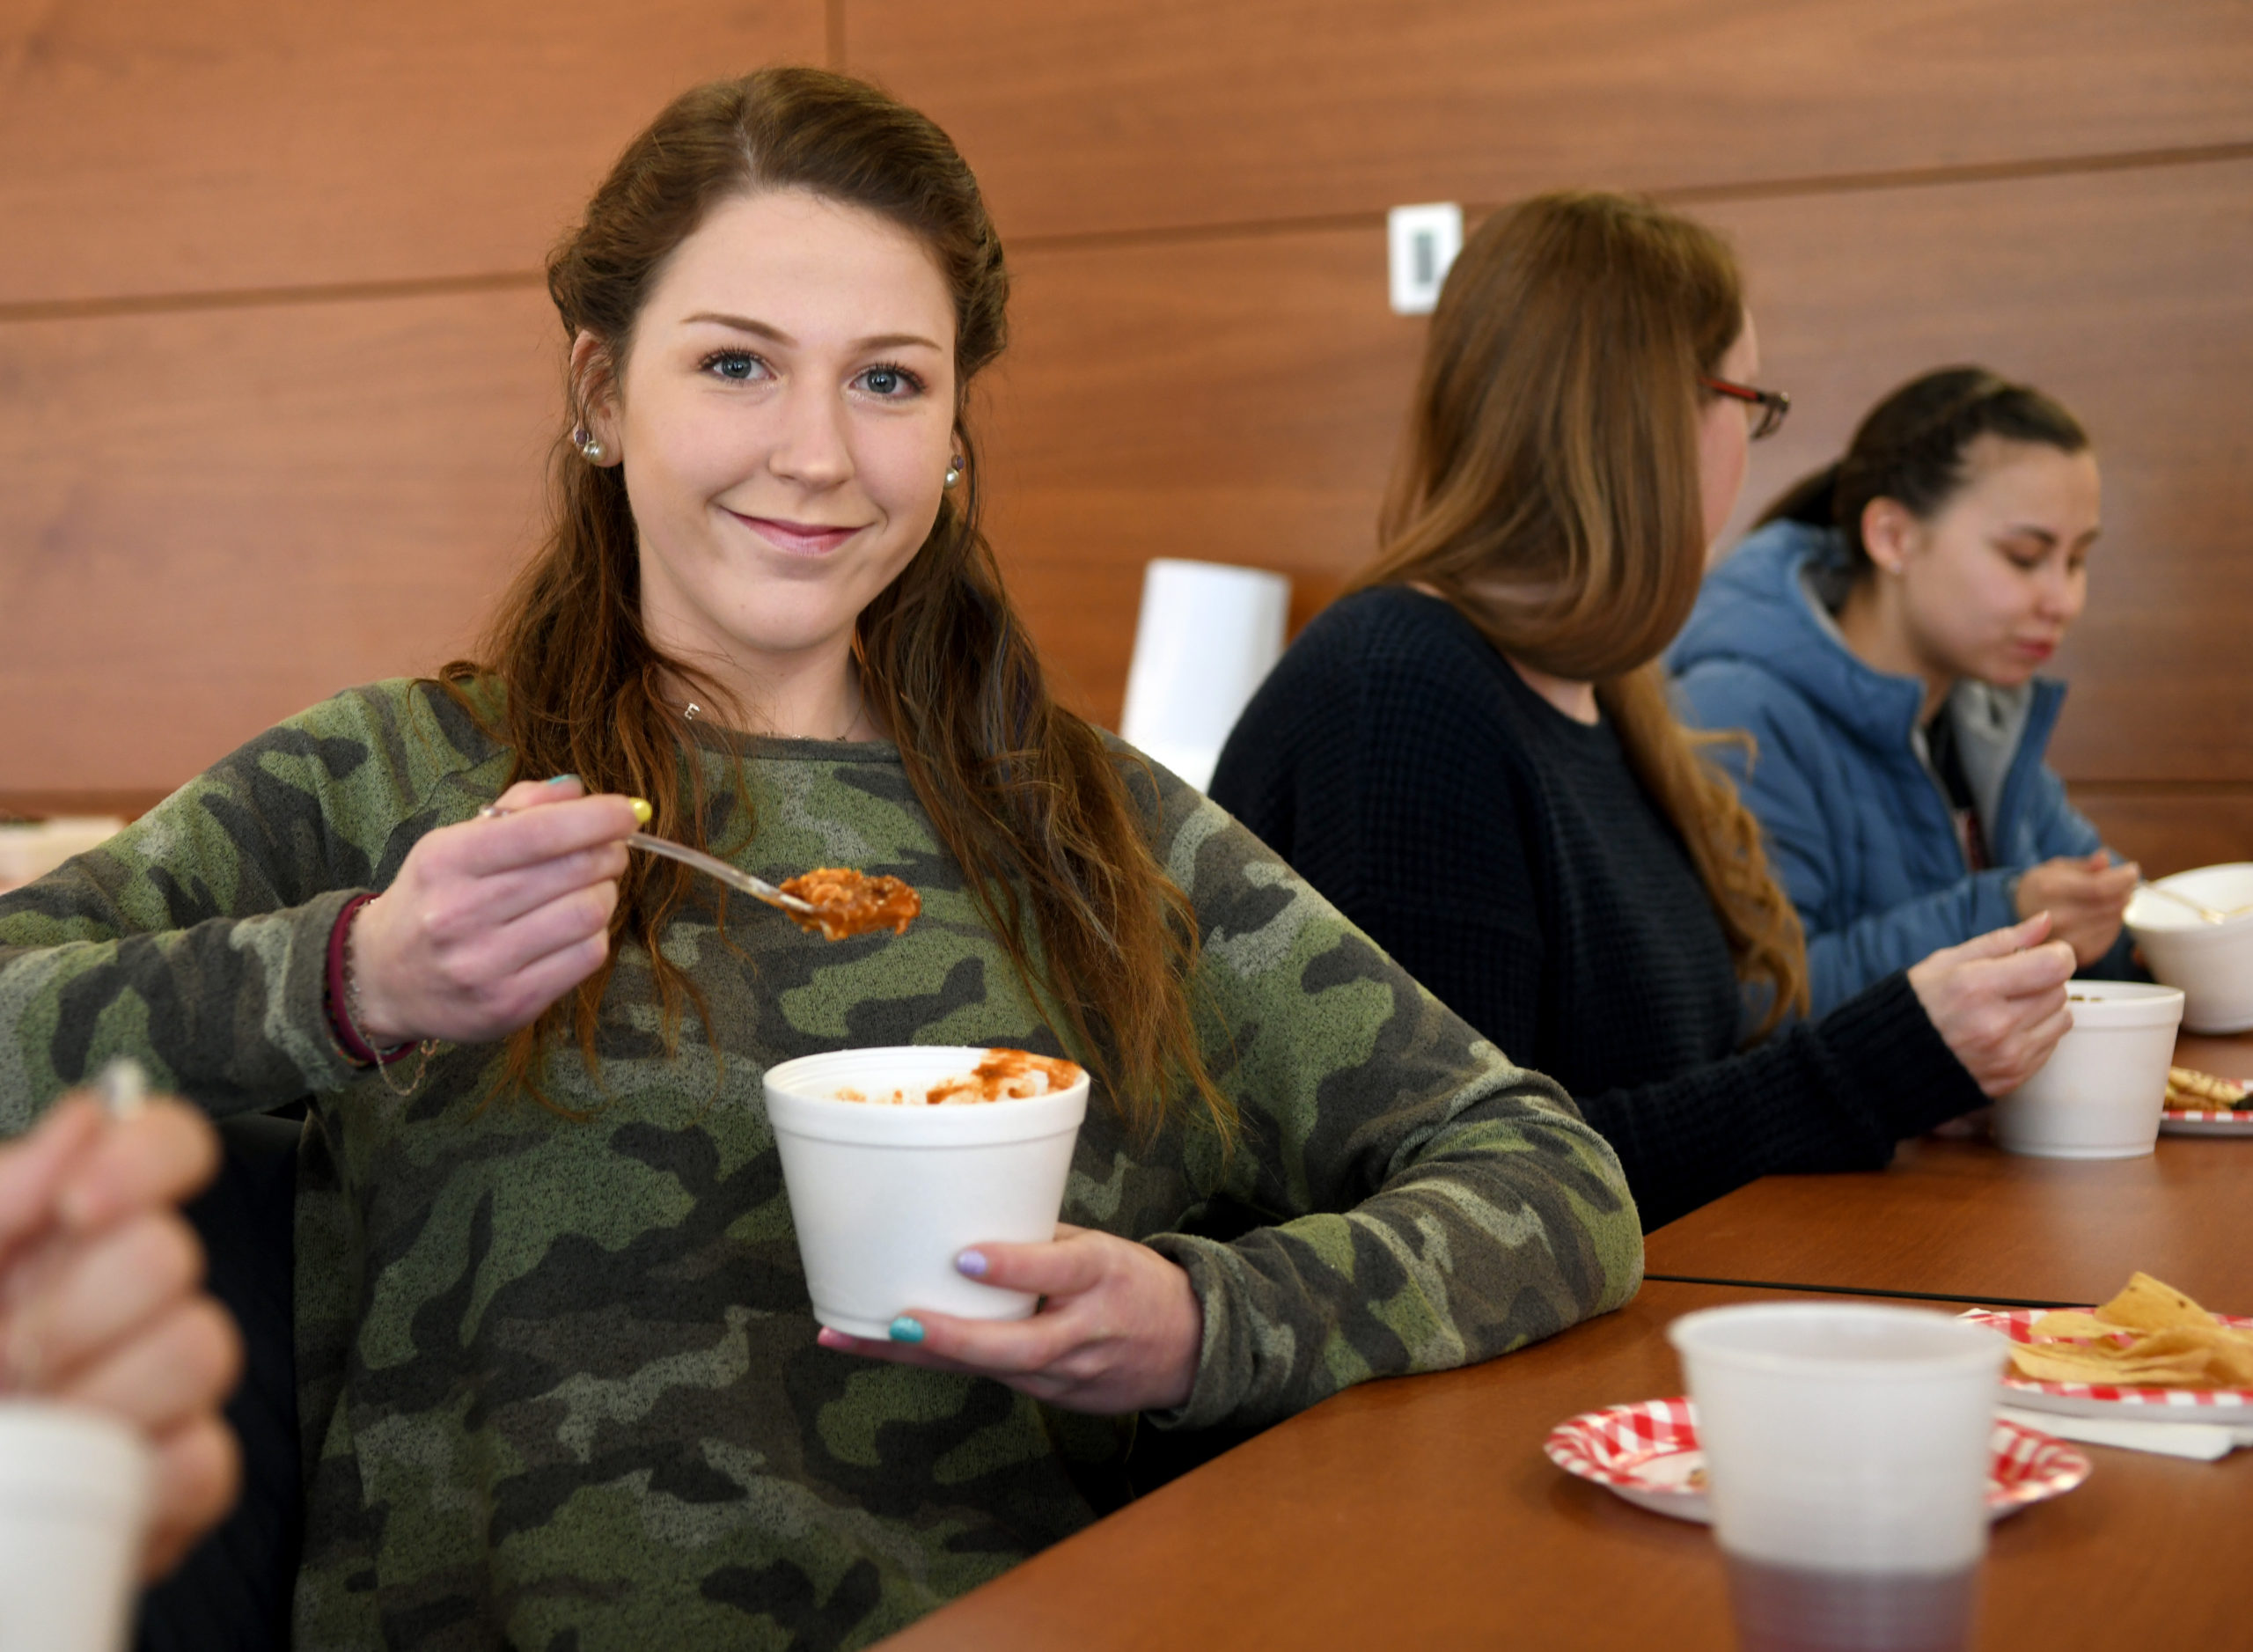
point(1773, 404)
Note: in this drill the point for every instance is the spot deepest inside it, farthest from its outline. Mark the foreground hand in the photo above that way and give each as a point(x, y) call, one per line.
point(490, 922)
point(1121, 1330)
point(2086, 897)
point(100, 1302)
point(1999, 1000)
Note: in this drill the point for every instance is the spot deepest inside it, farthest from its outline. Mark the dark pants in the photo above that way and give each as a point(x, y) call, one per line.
point(233, 1592)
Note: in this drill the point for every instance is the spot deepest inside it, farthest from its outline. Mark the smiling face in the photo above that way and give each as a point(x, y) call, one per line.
point(785, 418)
point(1990, 584)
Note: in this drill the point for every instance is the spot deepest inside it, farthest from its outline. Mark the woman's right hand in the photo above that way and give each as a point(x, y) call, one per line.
point(490, 922)
point(1999, 1001)
point(2086, 896)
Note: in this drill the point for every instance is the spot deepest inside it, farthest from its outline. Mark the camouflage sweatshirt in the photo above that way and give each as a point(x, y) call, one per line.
point(558, 1375)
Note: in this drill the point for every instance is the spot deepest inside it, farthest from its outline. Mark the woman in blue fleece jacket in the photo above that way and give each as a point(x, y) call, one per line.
point(1878, 636)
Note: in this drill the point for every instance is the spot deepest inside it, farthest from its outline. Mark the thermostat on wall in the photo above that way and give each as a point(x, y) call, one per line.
point(1422, 242)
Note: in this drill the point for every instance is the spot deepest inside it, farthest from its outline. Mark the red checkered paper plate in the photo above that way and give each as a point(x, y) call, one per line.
point(2180, 1121)
point(1648, 1453)
point(2104, 1400)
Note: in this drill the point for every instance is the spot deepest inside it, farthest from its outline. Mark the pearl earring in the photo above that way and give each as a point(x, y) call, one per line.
point(954, 470)
point(587, 444)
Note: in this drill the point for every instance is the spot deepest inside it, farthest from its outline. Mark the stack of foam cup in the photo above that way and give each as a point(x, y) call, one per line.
point(1846, 1460)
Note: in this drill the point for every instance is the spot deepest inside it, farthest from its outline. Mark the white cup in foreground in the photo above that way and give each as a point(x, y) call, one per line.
point(885, 1195)
point(75, 1489)
point(2100, 1094)
point(1847, 1459)
point(2212, 962)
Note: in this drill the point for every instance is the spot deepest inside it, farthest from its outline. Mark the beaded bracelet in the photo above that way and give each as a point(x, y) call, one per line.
point(341, 999)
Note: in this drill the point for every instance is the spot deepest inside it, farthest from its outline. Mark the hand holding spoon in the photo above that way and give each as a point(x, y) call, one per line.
point(846, 902)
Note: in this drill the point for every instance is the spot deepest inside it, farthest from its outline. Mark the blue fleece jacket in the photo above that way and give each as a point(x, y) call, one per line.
point(1858, 828)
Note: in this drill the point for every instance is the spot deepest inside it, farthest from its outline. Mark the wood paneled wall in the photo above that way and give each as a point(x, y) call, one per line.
point(277, 378)
point(1204, 364)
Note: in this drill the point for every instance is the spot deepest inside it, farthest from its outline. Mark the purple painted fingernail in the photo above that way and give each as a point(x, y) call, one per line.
point(973, 1263)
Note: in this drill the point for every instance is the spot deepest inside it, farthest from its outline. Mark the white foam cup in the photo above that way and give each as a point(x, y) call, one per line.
point(75, 1489)
point(2212, 962)
point(885, 1196)
point(1846, 1460)
point(2100, 1094)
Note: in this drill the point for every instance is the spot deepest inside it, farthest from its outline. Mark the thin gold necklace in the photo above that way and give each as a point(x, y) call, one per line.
point(690, 712)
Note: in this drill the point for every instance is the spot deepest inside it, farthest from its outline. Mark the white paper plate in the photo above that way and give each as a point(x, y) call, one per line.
point(2230, 1406)
point(2173, 1122)
point(1648, 1454)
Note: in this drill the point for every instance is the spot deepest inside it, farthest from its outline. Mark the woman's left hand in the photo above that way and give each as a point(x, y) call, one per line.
point(101, 1302)
point(1120, 1331)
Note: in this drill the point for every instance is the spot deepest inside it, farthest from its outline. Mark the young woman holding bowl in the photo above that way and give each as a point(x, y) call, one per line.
point(555, 1346)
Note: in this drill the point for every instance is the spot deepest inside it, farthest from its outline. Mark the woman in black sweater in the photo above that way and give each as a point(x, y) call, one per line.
point(1472, 754)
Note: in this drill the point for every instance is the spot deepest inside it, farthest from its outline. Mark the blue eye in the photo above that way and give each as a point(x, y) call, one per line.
point(890, 383)
point(739, 366)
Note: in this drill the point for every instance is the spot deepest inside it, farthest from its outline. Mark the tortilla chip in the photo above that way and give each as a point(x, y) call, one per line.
point(2146, 1305)
point(2209, 1090)
point(2224, 1361)
point(2058, 1362)
point(2044, 1366)
point(2071, 1322)
point(2231, 1361)
point(2176, 1340)
point(2195, 1357)
point(2150, 1335)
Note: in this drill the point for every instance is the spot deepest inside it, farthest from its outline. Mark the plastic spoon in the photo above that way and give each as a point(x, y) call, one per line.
point(757, 888)
point(2203, 910)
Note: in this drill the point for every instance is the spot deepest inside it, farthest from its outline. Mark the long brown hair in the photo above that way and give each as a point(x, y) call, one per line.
point(1549, 488)
point(1027, 796)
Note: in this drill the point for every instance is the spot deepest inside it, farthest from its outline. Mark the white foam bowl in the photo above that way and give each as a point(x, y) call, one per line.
point(884, 1197)
point(2212, 962)
point(2099, 1095)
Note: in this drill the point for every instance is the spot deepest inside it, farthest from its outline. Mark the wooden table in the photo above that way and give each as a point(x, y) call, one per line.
point(1964, 1219)
point(1421, 1512)
point(2230, 1057)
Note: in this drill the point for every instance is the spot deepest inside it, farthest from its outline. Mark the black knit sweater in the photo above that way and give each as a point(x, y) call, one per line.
point(1508, 857)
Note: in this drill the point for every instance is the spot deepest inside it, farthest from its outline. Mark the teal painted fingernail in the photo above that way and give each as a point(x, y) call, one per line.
point(557, 780)
point(906, 1330)
point(973, 1263)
